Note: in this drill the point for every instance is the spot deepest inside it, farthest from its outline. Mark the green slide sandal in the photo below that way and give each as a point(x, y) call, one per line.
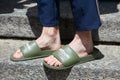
point(67, 56)
point(32, 51)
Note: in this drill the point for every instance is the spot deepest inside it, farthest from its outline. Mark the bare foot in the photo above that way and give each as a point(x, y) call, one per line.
point(82, 44)
point(49, 39)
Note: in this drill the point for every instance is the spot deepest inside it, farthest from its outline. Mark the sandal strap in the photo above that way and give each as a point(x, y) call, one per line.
point(30, 49)
point(67, 56)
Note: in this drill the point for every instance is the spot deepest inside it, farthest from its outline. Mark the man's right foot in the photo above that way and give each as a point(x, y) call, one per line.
point(49, 40)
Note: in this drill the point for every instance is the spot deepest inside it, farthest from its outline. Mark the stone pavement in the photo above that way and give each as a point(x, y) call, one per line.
point(108, 68)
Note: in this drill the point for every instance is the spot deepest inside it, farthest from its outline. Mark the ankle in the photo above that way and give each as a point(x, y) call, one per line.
point(49, 38)
point(51, 31)
point(82, 42)
point(77, 46)
point(86, 39)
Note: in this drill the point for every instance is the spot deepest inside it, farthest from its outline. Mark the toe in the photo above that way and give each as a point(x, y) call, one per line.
point(49, 60)
point(46, 59)
point(58, 63)
point(17, 54)
point(52, 61)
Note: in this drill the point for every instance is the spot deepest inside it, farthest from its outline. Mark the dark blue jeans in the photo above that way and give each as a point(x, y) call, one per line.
point(85, 13)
